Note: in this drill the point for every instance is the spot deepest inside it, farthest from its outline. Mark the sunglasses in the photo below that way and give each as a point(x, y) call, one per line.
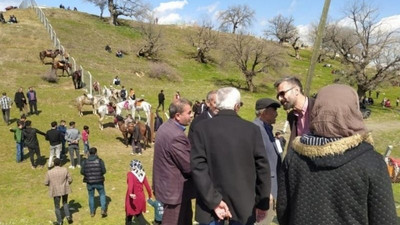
point(283, 93)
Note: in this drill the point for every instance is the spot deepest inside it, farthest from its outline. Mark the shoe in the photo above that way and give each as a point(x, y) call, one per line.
point(33, 167)
point(69, 219)
point(139, 153)
point(103, 214)
point(92, 214)
point(71, 167)
point(78, 166)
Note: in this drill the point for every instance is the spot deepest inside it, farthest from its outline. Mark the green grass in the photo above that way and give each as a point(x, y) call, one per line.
point(24, 198)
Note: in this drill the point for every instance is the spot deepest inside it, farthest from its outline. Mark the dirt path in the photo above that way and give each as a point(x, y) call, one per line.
point(380, 126)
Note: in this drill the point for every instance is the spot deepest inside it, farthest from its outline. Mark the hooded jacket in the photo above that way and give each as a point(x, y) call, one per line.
point(335, 176)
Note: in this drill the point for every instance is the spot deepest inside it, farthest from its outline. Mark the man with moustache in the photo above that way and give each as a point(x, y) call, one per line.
point(171, 165)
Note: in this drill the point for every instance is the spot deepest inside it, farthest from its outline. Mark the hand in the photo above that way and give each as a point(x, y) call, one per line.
point(260, 214)
point(222, 211)
point(133, 196)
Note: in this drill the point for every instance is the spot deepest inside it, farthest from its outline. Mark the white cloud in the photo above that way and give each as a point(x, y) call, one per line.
point(172, 18)
point(170, 6)
point(390, 23)
point(304, 31)
point(209, 8)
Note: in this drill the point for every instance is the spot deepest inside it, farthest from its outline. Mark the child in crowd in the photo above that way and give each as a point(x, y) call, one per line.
point(85, 139)
point(135, 201)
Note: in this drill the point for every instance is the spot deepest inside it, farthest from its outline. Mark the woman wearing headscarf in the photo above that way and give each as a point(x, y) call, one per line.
point(334, 175)
point(135, 201)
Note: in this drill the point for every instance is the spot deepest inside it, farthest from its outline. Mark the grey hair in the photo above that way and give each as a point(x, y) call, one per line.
point(259, 112)
point(210, 95)
point(177, 106)
point(227, 98)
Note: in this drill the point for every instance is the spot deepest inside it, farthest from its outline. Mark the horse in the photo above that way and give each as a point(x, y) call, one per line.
point(77, 79)
point(126, 129)
point(87, 99)
point(49, 53)
point(97, 87)
point(135, 105)
point(103, 112)
point(62, 64)
point(111, 94)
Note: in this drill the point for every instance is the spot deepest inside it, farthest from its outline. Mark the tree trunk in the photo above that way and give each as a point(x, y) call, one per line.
point(361, 90)
point(249, 82)
point(113, 13)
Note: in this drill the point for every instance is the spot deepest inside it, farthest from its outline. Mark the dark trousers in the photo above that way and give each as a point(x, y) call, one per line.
point(6, 115)
point(33, 105)
point(73, 148)
point(140, 218)
point(161, 104)
point(32, 152)
point(57, 207)
point(178, 214)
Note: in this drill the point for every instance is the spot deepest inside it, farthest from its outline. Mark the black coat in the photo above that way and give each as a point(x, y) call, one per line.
point(30, 137)
point(20, 99)
point(196, 120)
point(229, 163)
point(335, 183)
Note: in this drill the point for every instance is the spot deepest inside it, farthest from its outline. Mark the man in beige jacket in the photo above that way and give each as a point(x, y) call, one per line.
point(58, 179)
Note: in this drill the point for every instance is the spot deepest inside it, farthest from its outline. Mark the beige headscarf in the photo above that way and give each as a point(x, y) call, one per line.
point(336, 112)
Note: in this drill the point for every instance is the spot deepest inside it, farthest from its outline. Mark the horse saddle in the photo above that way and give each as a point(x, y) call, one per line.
point(126, 105)
point(138, 102)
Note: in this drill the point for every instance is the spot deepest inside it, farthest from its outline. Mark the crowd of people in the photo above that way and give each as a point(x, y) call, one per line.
point(239, 172)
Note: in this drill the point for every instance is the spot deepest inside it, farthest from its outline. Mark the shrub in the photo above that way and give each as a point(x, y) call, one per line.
point(50, 76)
point(163, 71)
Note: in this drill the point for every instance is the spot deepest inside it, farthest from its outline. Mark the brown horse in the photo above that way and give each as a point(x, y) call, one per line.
point(62, 64)
point(129, 130)
point(77, 79)
point(49, 53)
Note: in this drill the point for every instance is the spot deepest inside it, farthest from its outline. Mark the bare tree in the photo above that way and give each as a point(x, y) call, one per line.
point(281, 28)
point(366, 45)
point(204, 40)
point(152, 36)
point(328, 49)
point(253, 56)
point(131, 8)
point(235, 16)
point(99, 3)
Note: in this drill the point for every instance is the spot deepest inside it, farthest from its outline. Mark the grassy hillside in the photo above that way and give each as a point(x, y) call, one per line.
point(24, 198)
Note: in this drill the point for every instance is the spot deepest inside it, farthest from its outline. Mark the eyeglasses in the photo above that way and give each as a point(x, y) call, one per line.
point(283, 93)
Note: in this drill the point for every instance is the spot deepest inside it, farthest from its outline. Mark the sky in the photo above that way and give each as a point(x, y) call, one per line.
point(304, 12)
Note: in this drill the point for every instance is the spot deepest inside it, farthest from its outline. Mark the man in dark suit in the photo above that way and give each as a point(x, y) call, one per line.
point(171, 165)
point(229, 166)
point(266, 116)
point(208, 114)
point(290, 94)
point(161, 99)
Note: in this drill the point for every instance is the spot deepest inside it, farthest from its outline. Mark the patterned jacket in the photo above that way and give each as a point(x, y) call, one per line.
point(58, 179)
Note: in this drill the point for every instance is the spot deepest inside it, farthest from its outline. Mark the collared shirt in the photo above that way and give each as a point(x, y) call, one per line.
point(303, 125)
point(268, 129)
point(5, 102)
point(180, 126)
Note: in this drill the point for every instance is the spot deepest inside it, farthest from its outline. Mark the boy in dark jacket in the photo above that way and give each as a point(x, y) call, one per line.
point(30, 140)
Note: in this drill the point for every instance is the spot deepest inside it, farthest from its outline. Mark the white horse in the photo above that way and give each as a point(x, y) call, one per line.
point(112, 94)
point(88, 99)
point(103, 112)
point(135, 105)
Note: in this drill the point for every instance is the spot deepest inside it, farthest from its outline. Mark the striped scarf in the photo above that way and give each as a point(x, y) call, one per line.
point(308, 139)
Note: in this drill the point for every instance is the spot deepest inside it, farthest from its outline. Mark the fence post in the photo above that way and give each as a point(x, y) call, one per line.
point(74, 63)
point(90, 83)
point(83, 74)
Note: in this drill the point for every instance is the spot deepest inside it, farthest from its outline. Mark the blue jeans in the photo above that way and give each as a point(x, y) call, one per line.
point(102, 193)
point(20, 151)
point(221, 223)
point(86, 148)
